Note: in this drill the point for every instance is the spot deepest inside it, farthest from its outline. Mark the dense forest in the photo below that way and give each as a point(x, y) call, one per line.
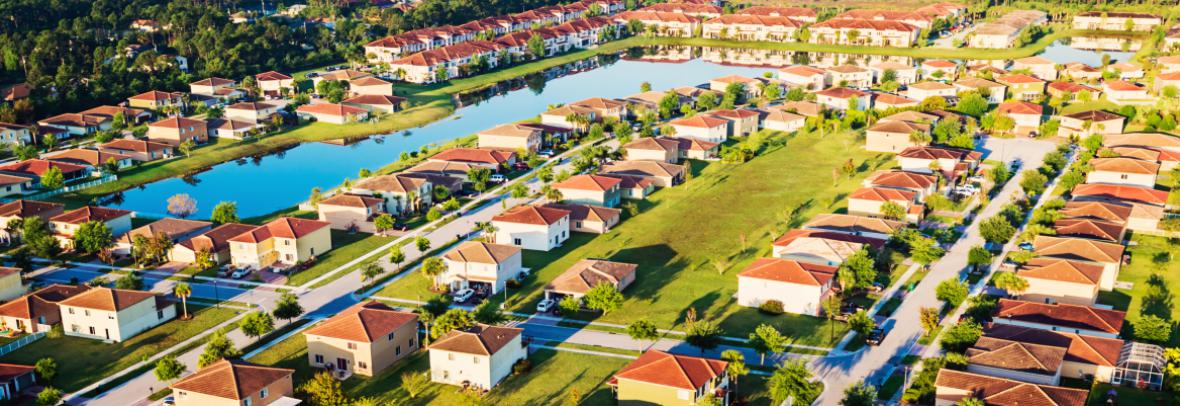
point(82, 53)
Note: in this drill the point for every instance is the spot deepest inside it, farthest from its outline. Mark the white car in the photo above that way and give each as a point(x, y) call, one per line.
point(463, 295)
point(546, 305)
point(497, 178)
point(240, 273)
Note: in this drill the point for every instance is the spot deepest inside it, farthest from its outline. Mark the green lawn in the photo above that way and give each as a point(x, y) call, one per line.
point(345, 247)
point(81, 361)
point(751, 202)
point(1128, 396)
point(1155, 271)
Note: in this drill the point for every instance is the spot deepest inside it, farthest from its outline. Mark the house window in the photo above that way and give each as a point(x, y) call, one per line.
point(362, 365)
point(159, 314)
point(397, 350)
point(71, 310)
point(515, 241)
point(319, 358)
point(475, 360)
point(352, 346)
point(262, 395)
point(450, 357)
point(92, 331)
point(86, 312)
point(390, 336)
point(247, 402)
point(74, 328)
point(412, 342)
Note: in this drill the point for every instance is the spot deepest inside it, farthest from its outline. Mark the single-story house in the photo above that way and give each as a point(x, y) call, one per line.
point(799, 286)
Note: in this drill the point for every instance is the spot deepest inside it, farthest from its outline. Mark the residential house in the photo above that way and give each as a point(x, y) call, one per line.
point(36, 311)
point(1022, 87)
point(351, 212)
point(217, 88)
point(376, 103)
point(22, 209)
point(702, 127)
point(653, 149)
point(365, 339)
point(585, 274)
point(1133, 216)
point(1027, 116)
point(1085, 357)
point(561, 116)
point(175, 230)
point(752, 86)
point(1017, 360)
point(236, 383)
point(26, 175)
point(214, 243)
point(950, 161)
point(1123, 193)
point(1085, 123)
point(864, 32)
point(663, 23)
point(924, 90)
point(66, 224)
point(903, 74)
point(177, 130)
point(1126, 70)
point(841, 98)
point(232, 129)
point(800, 14)
point(1070, 91)
point(512, 137)
point(1054, 280)
point(850, 76)
point(11, 185)
point(1082, 72)
point(1160, 141)
point(332, 113)
point(921, 184)
point(951, 386)
point(871, 201)
point(1079, 253)
point(585, 218)
point(1168, 160)
point(1123, 171)
point(113, 315)
point(1090, 228)
point(93, 160)
point(870, 227)
point(821, 247)
point(1165, 81)
point(274, 84)
point(400, 191)
point(804, 108)
point(1038, 66)
point(479, 356)
point(886, 101)
point(920, 20)
point(340, 75)
point(15, 379)
point(692, 148)
point(1060, 317)
point(590, 189)
point(483, 267)
point(532, 227)
point(370, 86)
point(703, 10)
point(280, 243)
point(494, 159)
point(1122, 92)
point(1004, 31)
point(156, 100)
point(806, 77)
point(1168, 64)
point(661, 378)
point(895, 135)
point(780, 120)
point(1116, 21)
point(253, 112)
point(938, 69)
point(139, 150)
point(660, 174)
point(992, 91)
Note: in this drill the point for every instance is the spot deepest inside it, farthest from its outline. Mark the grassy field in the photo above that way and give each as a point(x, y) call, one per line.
point(1156, 274)
point(742, 206)
point(81, 361)
point(345, 247)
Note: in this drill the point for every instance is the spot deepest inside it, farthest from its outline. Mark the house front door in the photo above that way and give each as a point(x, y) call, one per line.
point(341, 363)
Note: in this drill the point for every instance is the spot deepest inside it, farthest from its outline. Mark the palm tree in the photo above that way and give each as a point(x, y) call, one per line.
point(551, 194)
point(183, 291)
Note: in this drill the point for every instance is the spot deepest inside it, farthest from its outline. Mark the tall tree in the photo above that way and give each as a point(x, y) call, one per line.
point(183, 291)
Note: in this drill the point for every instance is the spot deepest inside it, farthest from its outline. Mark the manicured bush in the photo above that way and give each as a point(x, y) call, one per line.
point(771, 307)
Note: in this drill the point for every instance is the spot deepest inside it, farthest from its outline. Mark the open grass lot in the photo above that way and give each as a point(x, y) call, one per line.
point(1153, 262)
point(345, 247)
point(554, 375)
point(81, 361)
point(742, 206)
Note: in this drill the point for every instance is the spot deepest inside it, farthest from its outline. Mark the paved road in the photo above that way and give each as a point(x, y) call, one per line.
point(320, 302)
point(839, 371)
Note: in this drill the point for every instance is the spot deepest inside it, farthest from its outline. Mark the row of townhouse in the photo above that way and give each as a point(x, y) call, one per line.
point(1003, 32)
point(394, 47)
point(450, 61)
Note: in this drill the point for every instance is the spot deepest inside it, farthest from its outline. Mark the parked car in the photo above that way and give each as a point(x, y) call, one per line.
point(546, 305)
point(520, 166)
point(878, 334)
point(463, 295)
point(548, 153)
point(1027, 246)
point(497, 178)
point(240, 273)
point(169, 401)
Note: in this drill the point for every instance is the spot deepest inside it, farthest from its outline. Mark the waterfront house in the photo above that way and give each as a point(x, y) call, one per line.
point(401, 192)
point(177, 130)
point(66, 224)
point(1040, 67)
point(1116, 21)
point(511, 137)
point(175, 230)
point(351, 212)
point(139, 150)
point(806, 77)
point(332, 113)
point(376, 103)
point(1022, 87)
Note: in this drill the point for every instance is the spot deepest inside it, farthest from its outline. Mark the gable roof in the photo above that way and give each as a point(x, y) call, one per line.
point(172, 227)
point(474, 155)
point(42, 302)
point(331, 109)
point(1016, 355)
point(789, 271)
point(594, 183)
point(397, 183)
point(283, 227)
point(232, 379)
point(853, 224)
point(89, 213)
point(480, 339)
point(1063, 270)
point(590, 212)
point(351, 200)
point(1108, 211)
point(107, 299)
point(932, 153)
point(1020, 107)
point(1089, 228)
point(363, 322)
point(795, 234)
point(1120, 192)
point(482, 252)
point(699, 121)
point(643, 168)
point(653, 144)
point(532, 214)
point(588, 273)
point(1158, 140)
point(677, 371)
point(1125, 165)
point(143, 146)
point(1078, 249)
point(1004, 392)
point(28, 208)
point(1100, 351)
point(902, 179)
point(882, 194)
point(1062, 314)
point(216, 239)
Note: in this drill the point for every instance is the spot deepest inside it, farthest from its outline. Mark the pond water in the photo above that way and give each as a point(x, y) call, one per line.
point(1089, 50)
point(265, 184)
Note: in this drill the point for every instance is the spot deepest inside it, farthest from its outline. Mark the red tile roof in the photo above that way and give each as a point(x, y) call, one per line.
point(480, 339)
point(1061, 314)
point(232, 379)
point(89, 213)
point(285, 227)
point(107, 299)
point(1020, 107)
point(331, 109)
point(530, 214)
point(363, 322)
point(1121, 192)
point(677, 371)
point(784, 270)
point(596, 183)
point(474, 155)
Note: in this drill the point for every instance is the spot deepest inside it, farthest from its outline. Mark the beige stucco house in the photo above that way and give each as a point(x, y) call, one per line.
point(479, 356)
point(588, 273)
point(587, 218)
point(283, 242)
point(511, 137)
point(401, 192)
point(347, 211)
point(236, 383)
point(113, 314)
point(1056, 280)
point(36, 311)
point(871, 201)
point(653, 149)
point(1084, 356)
point(176, 130)
point(214, 242)
point(364, 339)
point(894, 135)
point(701, 127)
point(1123, 171)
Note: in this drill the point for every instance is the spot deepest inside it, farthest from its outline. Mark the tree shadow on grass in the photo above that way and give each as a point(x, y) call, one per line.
point(1158, 301)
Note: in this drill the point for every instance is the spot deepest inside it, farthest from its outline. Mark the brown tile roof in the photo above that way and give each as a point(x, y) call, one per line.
point(232, 379)
point(1071, 87)
point(1100, 351)
point(214, 81)
point(168, 226)
point(89, 213)
point(1112, 212)
point(532, 214)
point(480, 339)
point(677, 371)
point(693, 144)
point(1122, 85)
point(1068, 316)
point(733, 113)
point(397, 183)
point(38, 167)
point(599, 103)
point(780, 11)
point(368, 81)
point(1004, 392)
point(42, 302)
point(881, 194)
point(78, 156)
point(283, 227)
point(136, 145)
point(699, 121)
point(683, 8)
point(642, 168)
point(217, 239)
point(250, 106)
point(931, 153)
point(271, 75)
point(902, 179)
point(653, 144)
point(853, 224)
point(363, 322)
point(1146, 154)
point(482, 252)
point(588, 212)
point(107, 299)
point(1121, 192)
point(791, 236)
point(1016, 356)
point(1061, 270)
point(156, 96)
point(899, 127)
point(29, 208)
point(588, 273)
point(1078, 249)
point(178, 122)
point(1089, 228)
point(1125, 165)
point(474, 155)
point(886, 99)
point(351, 200)
point(594, 183)
point(1094, 115)
point(784, 270)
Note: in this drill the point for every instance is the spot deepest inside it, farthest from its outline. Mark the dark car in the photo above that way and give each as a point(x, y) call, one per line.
point(878, 334)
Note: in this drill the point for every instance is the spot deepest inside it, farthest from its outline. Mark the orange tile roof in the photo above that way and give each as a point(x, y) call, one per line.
point(1100, 351)
point(784, 270)
point(1089, 228)
point(1125, 165)
point(881, 194)
point(802, 70)
point(40, 303)
point(588, 212)
point(89, 213)
point(482, 252)
point(841, 92)
point(214, 81)
point(795, 234)
point(1020, 107)
point(331, 109)
point(595, 183)
point(677, 371)
point(271, 75)
point(1004, 392)
point(699, 121)
point(1061, 270)
point(1061, 314)
point(232, 379)
point(1121, 192)
point(1078, 249)
point(178, 122)
point(531, 214)
point(136, 145)
point(1018, 78)
point(351, 200)
point(107, 299)
point(782, 11)
point(474, 155)
point(363, 322)
point(1122, 85)
point(284, 227)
